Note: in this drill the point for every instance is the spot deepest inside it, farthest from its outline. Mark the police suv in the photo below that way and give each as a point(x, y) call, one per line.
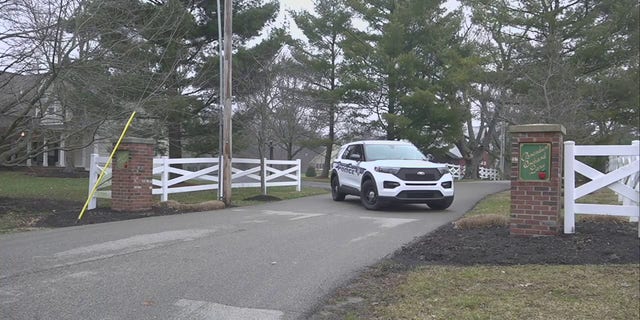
point(382, 172)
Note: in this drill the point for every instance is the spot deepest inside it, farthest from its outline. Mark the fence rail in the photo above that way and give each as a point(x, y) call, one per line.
point(203, 175)
point(457, 171)
point(488, 173)
point(616, 180)
point(633, 181)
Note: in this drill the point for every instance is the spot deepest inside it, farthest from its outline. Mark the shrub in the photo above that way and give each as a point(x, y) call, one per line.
point(481, 221)
point(311, 171)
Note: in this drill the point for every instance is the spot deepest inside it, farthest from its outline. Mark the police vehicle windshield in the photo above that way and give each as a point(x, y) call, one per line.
point(375, 152)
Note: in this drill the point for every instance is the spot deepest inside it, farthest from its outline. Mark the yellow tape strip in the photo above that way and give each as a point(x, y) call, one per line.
point(106, 166)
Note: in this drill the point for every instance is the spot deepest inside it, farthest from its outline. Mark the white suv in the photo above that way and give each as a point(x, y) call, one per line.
point(380, 172)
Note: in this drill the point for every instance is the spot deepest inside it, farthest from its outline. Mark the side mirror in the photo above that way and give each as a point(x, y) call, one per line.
point(355, 157)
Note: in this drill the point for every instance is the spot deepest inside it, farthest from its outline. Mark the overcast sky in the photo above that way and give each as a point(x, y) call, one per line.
point(298, 5)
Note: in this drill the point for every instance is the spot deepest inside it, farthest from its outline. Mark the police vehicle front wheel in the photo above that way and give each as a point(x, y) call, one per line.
point(440, 204)
point(369, 196)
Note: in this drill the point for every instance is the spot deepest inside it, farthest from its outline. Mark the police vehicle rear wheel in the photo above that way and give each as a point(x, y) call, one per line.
point(335, 190)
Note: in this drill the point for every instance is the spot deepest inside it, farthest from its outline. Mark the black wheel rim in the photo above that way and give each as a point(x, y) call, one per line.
point(370, 195)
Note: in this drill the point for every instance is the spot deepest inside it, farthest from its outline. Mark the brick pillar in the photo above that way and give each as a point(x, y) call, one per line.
point(536, 179)
point(132, 174)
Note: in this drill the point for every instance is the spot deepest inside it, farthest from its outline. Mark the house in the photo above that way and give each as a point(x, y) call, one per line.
point(35, 127)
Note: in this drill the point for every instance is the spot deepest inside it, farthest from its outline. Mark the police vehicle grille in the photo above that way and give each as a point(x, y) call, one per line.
point(411, 174)
point(420, 194)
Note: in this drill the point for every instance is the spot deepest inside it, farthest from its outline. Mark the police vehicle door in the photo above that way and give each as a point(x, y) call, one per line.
point(351, 170)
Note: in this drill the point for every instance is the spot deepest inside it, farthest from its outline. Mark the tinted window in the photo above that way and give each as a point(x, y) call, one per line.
point(353, 149)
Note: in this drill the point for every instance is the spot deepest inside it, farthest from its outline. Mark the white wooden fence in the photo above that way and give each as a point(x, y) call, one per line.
point(103, 192)
point(633, 181)
point(245, 174)
point(457, 171)
point(614, 180)
point(488, 173)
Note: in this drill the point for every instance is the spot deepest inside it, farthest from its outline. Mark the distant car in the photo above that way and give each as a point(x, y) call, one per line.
point(384, 172)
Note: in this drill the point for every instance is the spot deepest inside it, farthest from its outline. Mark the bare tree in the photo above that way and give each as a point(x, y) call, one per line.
point(295, 125)
point(38, 47)
point(69, 66)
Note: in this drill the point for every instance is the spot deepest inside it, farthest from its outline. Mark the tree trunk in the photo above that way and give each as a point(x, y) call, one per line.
point(289, 151)
point(326, 166)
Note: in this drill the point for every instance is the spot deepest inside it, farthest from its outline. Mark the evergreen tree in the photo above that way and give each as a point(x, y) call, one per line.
point(570, 62)
point(404, 66)
point(322, 57)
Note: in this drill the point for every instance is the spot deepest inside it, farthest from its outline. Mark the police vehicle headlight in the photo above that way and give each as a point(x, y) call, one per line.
point(390, 170)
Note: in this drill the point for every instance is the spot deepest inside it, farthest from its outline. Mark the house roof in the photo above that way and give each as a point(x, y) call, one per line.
point(15, 91)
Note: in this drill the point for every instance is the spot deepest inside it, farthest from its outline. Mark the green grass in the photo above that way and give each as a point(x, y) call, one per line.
point(315, 179)
point(499, 203)
point(20, 185)
point(516, 292)
point(602, 196)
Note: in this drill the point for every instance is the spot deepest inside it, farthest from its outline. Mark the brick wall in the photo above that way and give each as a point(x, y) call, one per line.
point(536, 205)
point(131, 180)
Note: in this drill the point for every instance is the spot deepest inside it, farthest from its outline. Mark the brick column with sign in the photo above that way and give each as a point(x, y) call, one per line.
point(131, 175)
point(536, 179)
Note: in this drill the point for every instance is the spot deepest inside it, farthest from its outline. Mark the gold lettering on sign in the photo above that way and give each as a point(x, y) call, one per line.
point(535, 161)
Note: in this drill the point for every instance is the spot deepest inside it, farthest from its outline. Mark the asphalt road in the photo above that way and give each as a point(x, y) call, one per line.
point(272, 261)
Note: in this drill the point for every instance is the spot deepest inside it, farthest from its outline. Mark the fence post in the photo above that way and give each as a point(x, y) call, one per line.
point(264, 175)
point(569, 187)
point(634, 182)
point(164, 177)
point(93, 177)
point(299, 164)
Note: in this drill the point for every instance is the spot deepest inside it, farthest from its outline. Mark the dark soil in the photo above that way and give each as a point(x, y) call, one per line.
point(593, 243)
point(262, 197)
point(60, 213)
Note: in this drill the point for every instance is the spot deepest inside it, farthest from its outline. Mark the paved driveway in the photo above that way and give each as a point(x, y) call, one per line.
point(273, 261)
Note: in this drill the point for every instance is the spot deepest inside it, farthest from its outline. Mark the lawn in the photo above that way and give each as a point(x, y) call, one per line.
point(517, 292)
point(17, 184)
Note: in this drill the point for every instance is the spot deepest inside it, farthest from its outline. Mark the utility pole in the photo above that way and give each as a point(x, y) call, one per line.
point(228, 38)
point(220, 104)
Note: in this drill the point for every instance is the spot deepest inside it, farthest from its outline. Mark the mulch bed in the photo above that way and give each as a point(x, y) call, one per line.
point(60, 213)
point(69, 218)
point(593, 243)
